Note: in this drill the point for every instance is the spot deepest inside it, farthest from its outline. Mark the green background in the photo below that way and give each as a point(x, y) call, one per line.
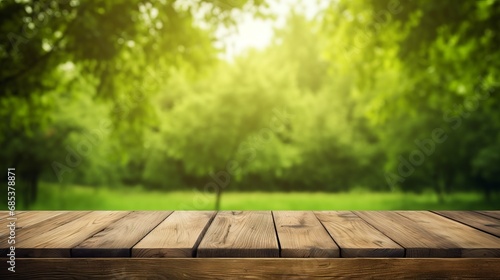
point(128, 104)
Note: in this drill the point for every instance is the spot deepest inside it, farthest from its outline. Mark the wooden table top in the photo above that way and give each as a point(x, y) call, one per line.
point(254, 234)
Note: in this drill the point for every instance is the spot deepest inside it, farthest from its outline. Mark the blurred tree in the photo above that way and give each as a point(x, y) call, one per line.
point(213, 140)
point(115, 45)
point(417, 65)
point(451, 57)
point(381, 94)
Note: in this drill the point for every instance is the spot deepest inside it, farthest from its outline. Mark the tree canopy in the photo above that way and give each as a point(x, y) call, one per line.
point(386, 95)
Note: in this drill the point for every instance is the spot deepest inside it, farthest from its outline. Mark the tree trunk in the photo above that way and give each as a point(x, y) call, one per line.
point(217, 199)
point(440, 195)
point(486, 186)
point(33, 181)
point(439, 185)
point(29, 181)
point(487, 193)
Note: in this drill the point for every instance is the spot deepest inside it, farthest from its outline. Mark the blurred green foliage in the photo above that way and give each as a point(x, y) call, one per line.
point(383, 95)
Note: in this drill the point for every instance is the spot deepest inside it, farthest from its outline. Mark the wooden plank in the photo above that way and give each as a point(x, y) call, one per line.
point(177, 236)
point(58, 241)
point(4, 214)
point(472, 242)
point(425, 234)
point(417, 241)
point(255, 268)
point(3, 219)
point(240, 234)
point(117, 239)
point(27, 219)
point(482, 222)
point(47, 225)
point(31, 218)
point(356, 238)
point(494, 214)
point(301, 235)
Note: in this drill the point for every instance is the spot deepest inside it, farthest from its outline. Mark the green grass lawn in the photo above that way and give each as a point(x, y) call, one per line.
point(56, 197)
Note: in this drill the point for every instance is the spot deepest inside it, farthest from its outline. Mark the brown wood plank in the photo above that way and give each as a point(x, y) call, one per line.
point(417, 241)
point(240, 234)
point(473, 219)
point(494, 214)
point(255, 268)
point(301, 235)
point(117, 239)
point(357, 238)
point(49, 224)
point(3, 219)
point(4, 214)
point(472, 242)
point(27, 219)
point(425, 234)
point(30, 218)
point(58, 241)
point(177, 236)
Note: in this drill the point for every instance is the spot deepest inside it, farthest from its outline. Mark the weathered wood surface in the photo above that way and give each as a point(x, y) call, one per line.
point(356, 237)
point(26, 235)
point(471, 242)
point(254, 244)
point(32, 218)
point(417, 242)
point(301, 235)
point(116, 239)
point(252, 234)
point(177, 236)
point(426, 234)
point(254, 268)
point(4, 214)
point(494, 214)
point(240, 234)
point(482, 222)
point(58, 241)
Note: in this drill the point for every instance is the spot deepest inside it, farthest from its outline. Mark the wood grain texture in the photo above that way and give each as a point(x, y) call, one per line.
point(26, 234)
point(250, 234)
point(356, 238)
point(240, 234)
point(4, 214)
point(494, 214)
point(177, 236)
point(417, 241)
point(471, 242)
point(301, 235)
point(251, 268)
point(27, 219)
point(30, 218)
point(117, 239)
point(473, 219)
point(3, 221)
point(57, 242)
